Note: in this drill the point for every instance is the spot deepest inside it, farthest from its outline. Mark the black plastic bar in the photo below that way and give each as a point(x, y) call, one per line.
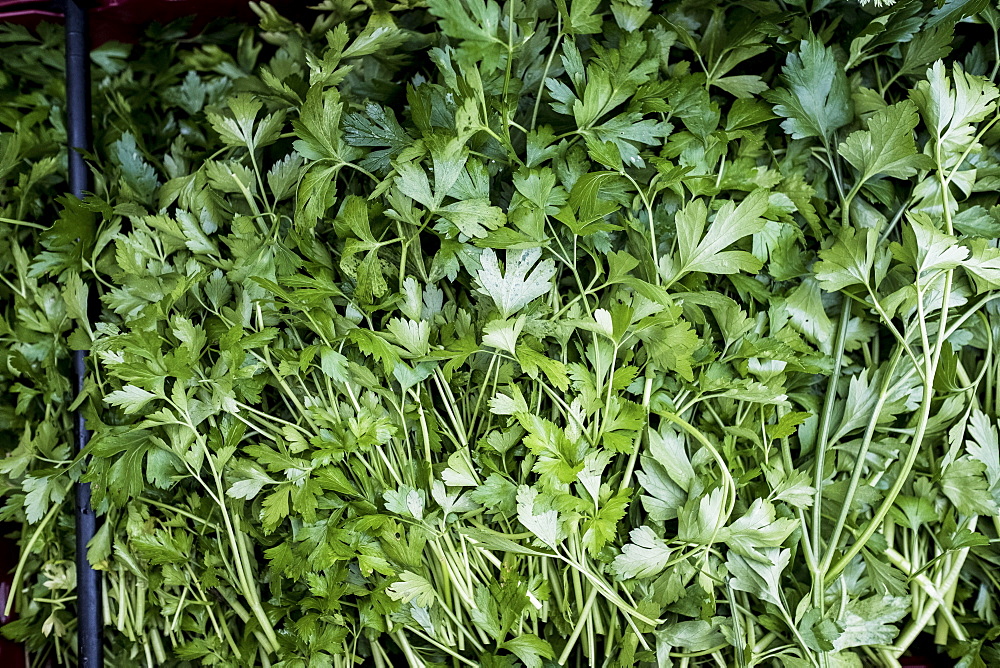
point(88, 582)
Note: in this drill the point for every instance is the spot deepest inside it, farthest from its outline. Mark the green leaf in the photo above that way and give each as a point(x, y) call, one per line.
point(473, 217)
point(538, 518)
point(887, 147)
point(693, 636)
point(745, 113)
point(965, 485)
point(318, 126)
point(817, 100)
point(524, 279)
point(623, 132)
point(983, 264)
point(582, 17)
point(532, 361)
point(379, 34)
point(530, 649)
point(950, 113)
point(274, 509)
point(953, 11)
point(757, 529)
point(984, 447)
point(377, 127)
point(760, 578)
point(851, 259)
point(672, 347)
point(475, 21)
point(870, 621)
point(138, 175)
point(40, 494)
point(76, 295)
point(926, 249)
point(913, 512)
point(414, 588)
point(667, 449)
point(742, 86)
point(793, 488)
point(732, 223)
point(602, 528)
point(586, 196)
point(486, 614)
point(252, 481)
point(284, 175)
point(645, 556)
point(702, 518)
point(130, 398)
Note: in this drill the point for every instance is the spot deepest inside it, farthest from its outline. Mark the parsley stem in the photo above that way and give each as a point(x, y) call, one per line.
point(583, 618)
point(819, 473)
point(26, 552)
point(860, 459)
point(181, 512)
point(548, 66)
point(728, 483)
point(23, 223)
point(653, 245)
point(444, 648)
point(932, 357)
point(647, 389)
point(917, 626)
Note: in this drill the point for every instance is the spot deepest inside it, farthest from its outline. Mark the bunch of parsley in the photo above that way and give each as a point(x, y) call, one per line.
point(538, 333)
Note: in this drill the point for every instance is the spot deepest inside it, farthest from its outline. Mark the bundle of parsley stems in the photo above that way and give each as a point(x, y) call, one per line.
point(535, 333)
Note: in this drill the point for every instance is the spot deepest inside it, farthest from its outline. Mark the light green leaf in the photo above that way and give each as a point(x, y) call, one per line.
point(40, 494)
point(731, 224)
point(757, 529)
point(983, 264)
point(871, 621)
point(473, 217)
point(538, 518)
point(530, 649)
point(851, 259)
point(693, 636)
point(582, 17)
point(524, 280)
point(817, 100)
point(702, 518)
point(412, 588)
point(759, 578)
point(130, 398)
point(965, 485)
point(926, 249)
point(667, 448)
point(254, 479)
point(645, 556)
point(951, 112)
point(743, 86)
point(887, 146)
point(984, 447)
point(486, 613)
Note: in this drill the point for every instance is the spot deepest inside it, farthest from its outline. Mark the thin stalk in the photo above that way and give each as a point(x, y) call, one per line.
point(932, 360)
point(444, 648)
point(584, 616)
point(26, 551)
point(652, 229)
point(24, 223)
point(929, 588)
point(859, 464)
point(821, 443)
point(545, 72)
point(647, 390)
point(917, 626)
